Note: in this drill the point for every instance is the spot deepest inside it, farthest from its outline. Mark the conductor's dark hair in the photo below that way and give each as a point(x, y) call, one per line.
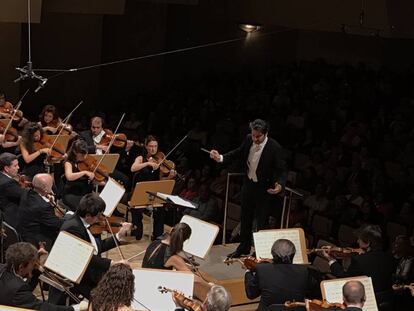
point(179, 234)
point(6, 159)
point(260, 125)
point(91, 204)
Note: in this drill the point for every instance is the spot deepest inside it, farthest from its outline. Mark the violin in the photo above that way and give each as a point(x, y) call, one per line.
point(166, 166)
point(120, 139)
point(57, 150)
point(338, 252)
point(91, 164)
point(62, 128)
point(10, 134)
point(397, 287)
point(102, 225)
point(248, 262)
point(182, 300)
point(23, 181)
point(7, 111)
point(315, 305)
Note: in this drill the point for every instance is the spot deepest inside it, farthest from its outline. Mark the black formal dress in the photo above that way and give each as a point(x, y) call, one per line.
point(278, 283)
point(97, 266)
point(156, 255)
point(37, 220)
point(37, 166)
point(17, 293)
point(256, 201)
point(10, 194)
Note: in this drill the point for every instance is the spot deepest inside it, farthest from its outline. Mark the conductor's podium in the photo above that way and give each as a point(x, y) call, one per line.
point(229, 276)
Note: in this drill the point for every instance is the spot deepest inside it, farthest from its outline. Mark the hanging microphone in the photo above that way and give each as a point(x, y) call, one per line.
point(42, 83)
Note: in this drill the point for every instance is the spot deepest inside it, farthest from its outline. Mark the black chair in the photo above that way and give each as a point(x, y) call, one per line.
point(8, 236)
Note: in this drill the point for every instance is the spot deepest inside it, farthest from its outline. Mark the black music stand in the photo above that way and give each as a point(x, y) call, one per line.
point(285, 199)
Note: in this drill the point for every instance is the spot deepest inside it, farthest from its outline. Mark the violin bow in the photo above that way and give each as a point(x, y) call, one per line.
point(19, 103)
point(113, 236)
point(110, 143)
point(67, 120)
point(172, 150)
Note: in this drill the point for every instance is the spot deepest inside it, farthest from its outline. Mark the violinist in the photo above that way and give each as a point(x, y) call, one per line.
point(147, 168)
point(88, 212)
point(34, 158)
point(7, 110)
point(37, 218)
point(22, 262)
point(77, 182)
point(280, 280)
point(353, 295)
point(10, 190)
point(49, 119)
point(218, 299)
point(374, 262)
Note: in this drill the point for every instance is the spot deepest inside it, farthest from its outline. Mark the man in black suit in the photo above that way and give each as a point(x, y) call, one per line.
point(354, 295)
point(10, 190)
point(90, 209)
point(21, 263)
point(279, 281)
point(374, 262)
point(263, 161)
point(37, 219)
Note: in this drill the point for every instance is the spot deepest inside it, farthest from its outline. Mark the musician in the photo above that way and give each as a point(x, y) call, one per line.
point(218, 299)
point(354, 295)
point(115, 291)
point(262, 160)
point(22, 263)
point(78, 183)
point(280, 280)
point(37, 219)
point(163, 253)
point(34, 159)
point(374, 262)
point(10, 190)
point(49, 119)
point(146, 168)
point(8, 106)
point(89, 210)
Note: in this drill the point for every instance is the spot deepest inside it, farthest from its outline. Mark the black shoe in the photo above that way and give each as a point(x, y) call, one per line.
point(237, 254)
point(137, 233)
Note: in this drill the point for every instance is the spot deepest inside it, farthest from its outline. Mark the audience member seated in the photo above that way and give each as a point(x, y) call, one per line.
point(206, 206)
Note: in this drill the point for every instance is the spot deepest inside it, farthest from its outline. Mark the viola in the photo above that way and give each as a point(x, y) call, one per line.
point(315, 305)
point(338, 252)
point(248, 262)
point(62, 128)
point(182, 300)
point(102, 225)
point(10, 134)
point(7, 111)
point(166, 166)
point(91, 164)
point(120, 139)
point(57, 150)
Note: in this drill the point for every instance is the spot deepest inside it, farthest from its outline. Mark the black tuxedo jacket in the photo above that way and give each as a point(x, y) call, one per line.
point(37, 220)
point(352, 309)
point(98, 265)
point(271, 167)
point(278, 283)
point(17, 293)
point(10, 193)
point(87, 137)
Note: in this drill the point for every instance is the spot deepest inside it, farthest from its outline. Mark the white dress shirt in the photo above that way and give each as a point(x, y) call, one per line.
point(97, 140)
point(254, 158)
point(91, 237)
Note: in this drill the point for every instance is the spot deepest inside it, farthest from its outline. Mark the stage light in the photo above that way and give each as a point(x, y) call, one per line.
point(249, 28)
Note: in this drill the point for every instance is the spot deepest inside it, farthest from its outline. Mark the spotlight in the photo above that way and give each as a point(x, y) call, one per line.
point(249, 28)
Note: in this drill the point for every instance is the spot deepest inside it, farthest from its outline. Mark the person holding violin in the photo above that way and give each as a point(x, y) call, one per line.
point(7, 110)
point(280, 280)
point(10, 189)
point(77, 181)
point(49, 119)
point(33, 153)
point(147, 168)
point(19, 277)
point(89, 211)
point(374, 262)
point(218, 299)
point(37, 218)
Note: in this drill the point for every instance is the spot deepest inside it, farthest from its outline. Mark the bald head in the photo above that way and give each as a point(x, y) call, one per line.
point(43, 182)
point(354, 293)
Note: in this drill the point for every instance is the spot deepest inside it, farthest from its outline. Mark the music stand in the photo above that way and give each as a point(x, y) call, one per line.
point(63, 140)
point(110, 160)
point(141, 197)
point(286, 197)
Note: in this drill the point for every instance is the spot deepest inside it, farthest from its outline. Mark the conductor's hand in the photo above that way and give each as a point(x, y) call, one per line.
point(215, 155)
point(275, 190)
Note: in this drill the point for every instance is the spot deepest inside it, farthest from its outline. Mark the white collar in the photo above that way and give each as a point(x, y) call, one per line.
point(85, 223)
point(262, 144)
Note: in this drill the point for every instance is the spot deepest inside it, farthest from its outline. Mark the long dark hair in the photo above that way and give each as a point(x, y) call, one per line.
point(114, 290)
point(179, 234)
point(27, 135)
point(48, 108)
point(78, 146)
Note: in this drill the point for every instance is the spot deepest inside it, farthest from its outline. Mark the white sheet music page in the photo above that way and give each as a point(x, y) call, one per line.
point(263, 242)
point(112, 193)
point(202, 236)
point(176, 200)
point(333, 291)
point(147, 282)
point(69, 256)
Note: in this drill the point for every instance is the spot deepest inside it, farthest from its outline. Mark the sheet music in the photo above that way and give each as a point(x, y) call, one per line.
point(112, 193)
point(69, 256)
point(332, 291)
point(263, 242)
point(147, 282)
point(176, 200)
point(202, 236)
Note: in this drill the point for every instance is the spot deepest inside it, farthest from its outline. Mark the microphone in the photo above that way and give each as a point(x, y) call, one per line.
point(41, 85)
